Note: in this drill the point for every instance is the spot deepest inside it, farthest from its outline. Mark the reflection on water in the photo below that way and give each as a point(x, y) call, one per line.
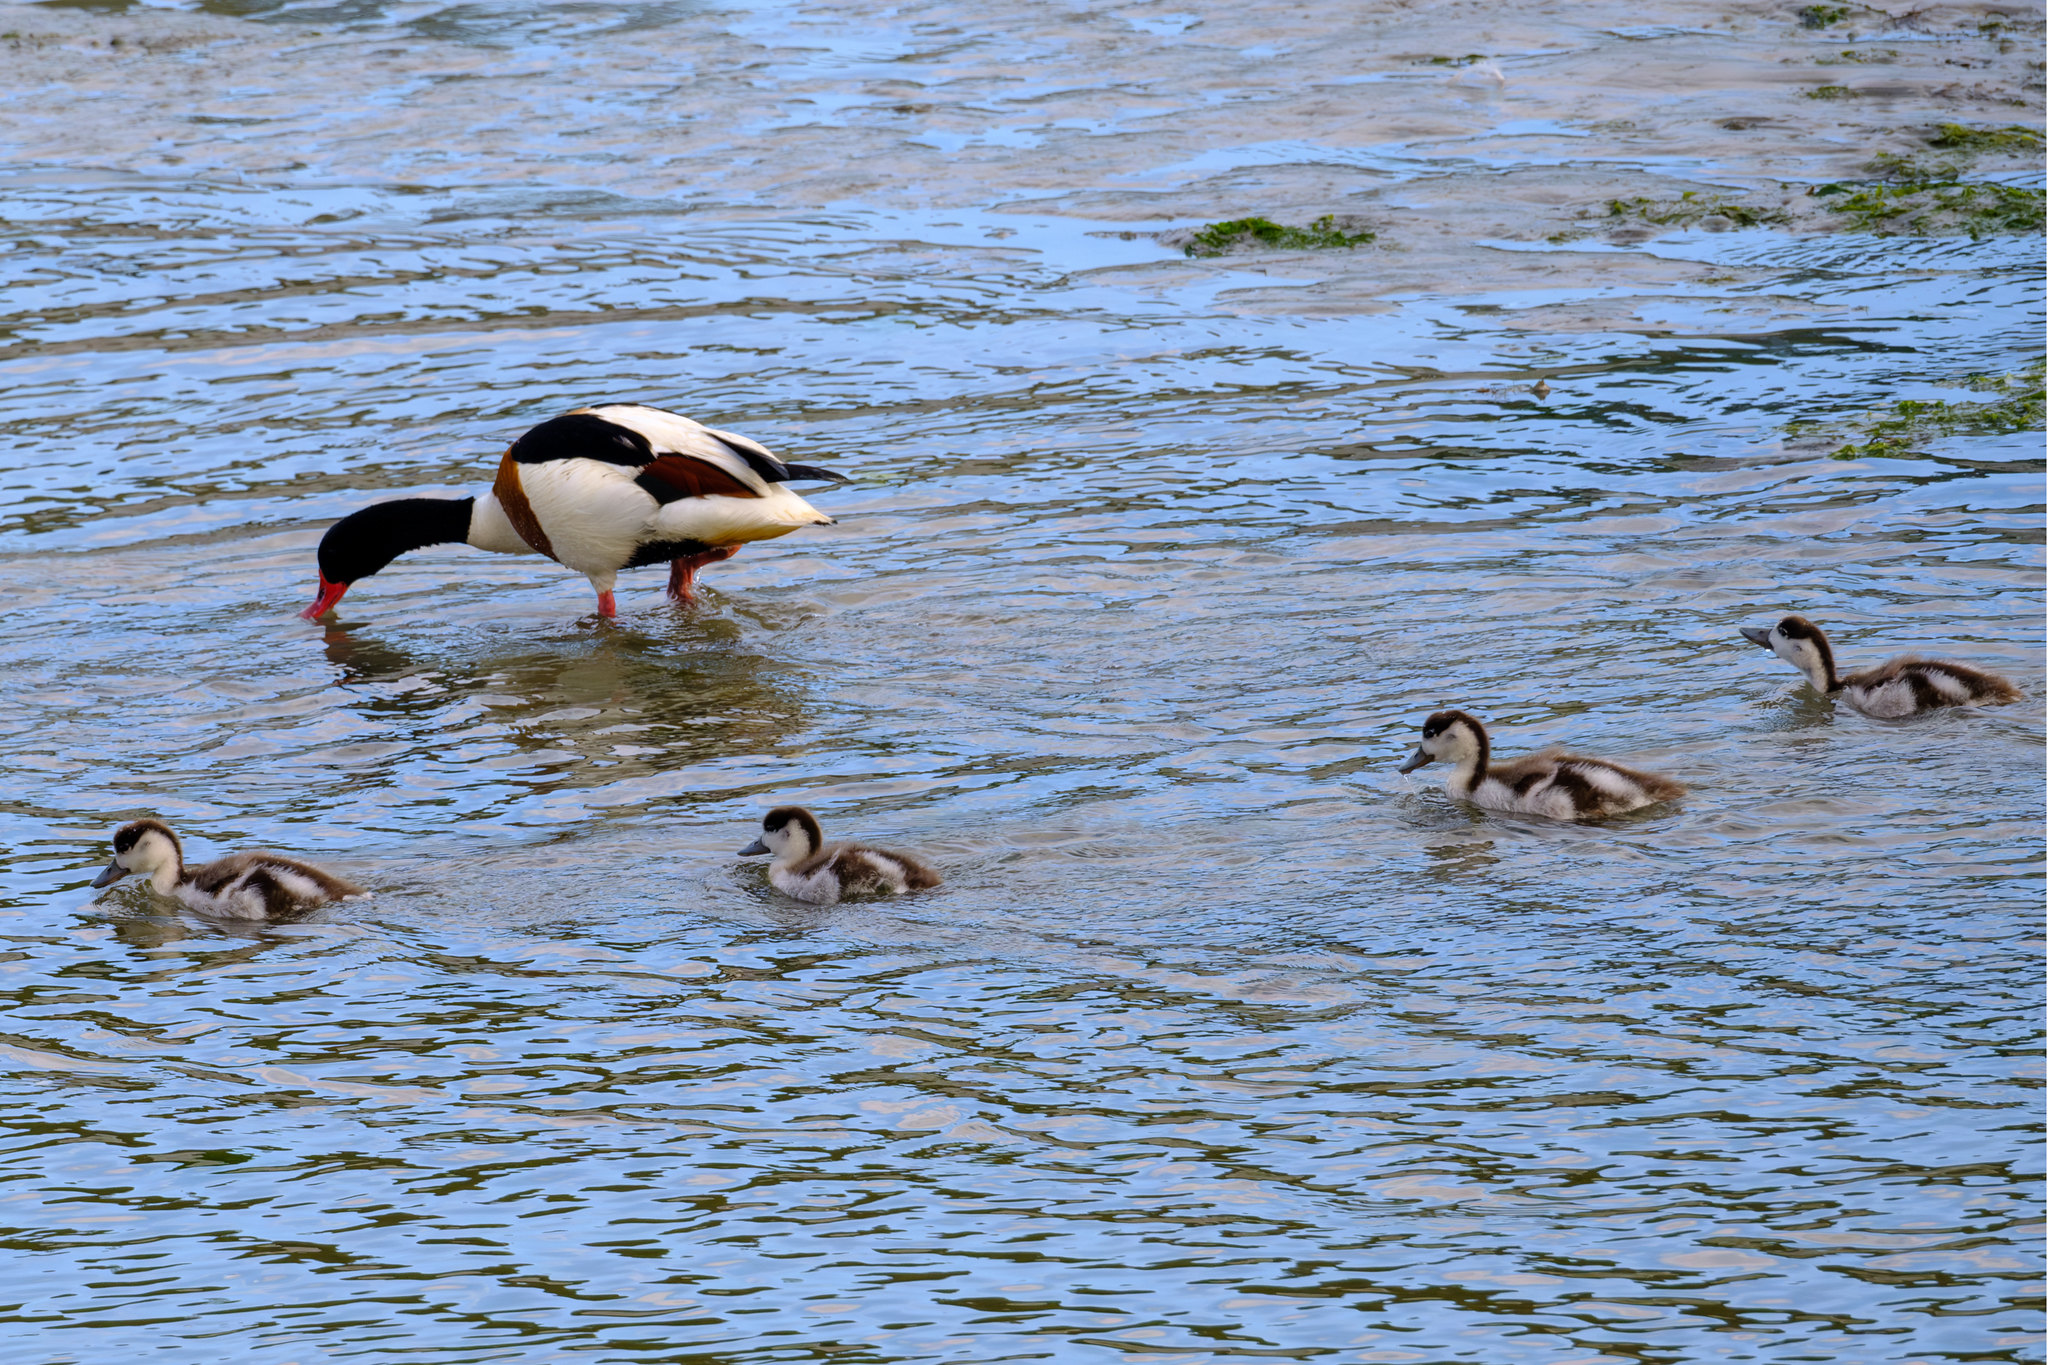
point(1223, 1040)
point(597, 701)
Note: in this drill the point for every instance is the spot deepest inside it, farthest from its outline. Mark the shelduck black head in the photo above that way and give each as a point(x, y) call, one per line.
point(363, 542)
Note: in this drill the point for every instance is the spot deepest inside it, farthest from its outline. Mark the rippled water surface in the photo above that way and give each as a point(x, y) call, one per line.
point(1223, 1041)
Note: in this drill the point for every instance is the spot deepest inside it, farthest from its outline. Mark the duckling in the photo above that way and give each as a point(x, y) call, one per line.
point(1562, 786)
point(1905, 686)
point(808, 869)
point(254, 885)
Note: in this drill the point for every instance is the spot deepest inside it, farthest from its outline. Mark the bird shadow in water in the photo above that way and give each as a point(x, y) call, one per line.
point(625, 700)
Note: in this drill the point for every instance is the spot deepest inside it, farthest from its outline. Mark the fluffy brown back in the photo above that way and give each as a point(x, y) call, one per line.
point(1656, 786)
point(1567, 770)
point(919, 876)
point(213, 877)
point(1984, 686)
point(1524, 772)
point(858, 876)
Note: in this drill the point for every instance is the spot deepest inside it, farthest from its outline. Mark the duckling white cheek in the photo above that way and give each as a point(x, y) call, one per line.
point(1457, 749)
point(1801, 655)
point(154, 857)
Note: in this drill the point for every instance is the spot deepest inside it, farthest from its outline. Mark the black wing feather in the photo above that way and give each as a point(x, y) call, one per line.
point(757, 457)
point(586, 436)
point(583, 436)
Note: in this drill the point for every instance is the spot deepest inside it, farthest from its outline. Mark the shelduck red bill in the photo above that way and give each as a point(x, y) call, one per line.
point(330, 593)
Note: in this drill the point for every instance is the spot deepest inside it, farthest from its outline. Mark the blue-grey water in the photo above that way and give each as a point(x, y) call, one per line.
point(1223, 1041)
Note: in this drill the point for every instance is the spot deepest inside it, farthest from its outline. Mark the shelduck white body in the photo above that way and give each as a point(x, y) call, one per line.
point(806, 868)
point(1560, 786)
point(490, 529)
point(598, 489)
point(256, 885)
point(1905, 686)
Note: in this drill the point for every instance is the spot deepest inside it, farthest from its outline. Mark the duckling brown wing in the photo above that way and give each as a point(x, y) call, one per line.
point(1653, 786)
point(917, 875)
point(1592, 786)
point(1525, 774)
point(878, 871)
point(1936, 682)
point(1989, 687)
point(215, 877)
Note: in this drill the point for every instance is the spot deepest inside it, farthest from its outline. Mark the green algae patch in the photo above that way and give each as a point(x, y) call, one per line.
point(1695, 209)
point(1263, 234)
point(1938, 208)
point(1943, 185)
point(1690, 210)
point(1830, 92)
point(1822, 16)
point(1908, 196)
point(2013, 137)
point(2016, 403)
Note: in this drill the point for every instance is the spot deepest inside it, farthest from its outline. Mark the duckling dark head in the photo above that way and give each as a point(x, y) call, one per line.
point(782, 827)
point(1802, 644)
point(1434, 743)
point(142, 846)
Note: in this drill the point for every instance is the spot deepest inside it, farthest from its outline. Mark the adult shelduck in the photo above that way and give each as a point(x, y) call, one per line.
point(599, 490)
point(1559, 785)
point(1905, 686)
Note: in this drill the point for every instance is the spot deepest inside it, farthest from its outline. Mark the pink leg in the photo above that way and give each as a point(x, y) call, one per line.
point(682, 572)
point(607, 606)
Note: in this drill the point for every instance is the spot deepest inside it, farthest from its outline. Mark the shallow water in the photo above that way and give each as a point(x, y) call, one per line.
point(1223, 1041)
